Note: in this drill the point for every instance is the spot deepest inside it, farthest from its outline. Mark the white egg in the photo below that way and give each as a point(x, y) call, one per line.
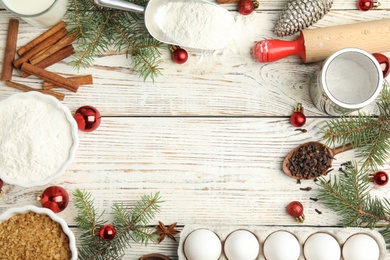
point(321, 246)
point(361, 247)
point(281, 245)
point(202, 244)
point(241, 245)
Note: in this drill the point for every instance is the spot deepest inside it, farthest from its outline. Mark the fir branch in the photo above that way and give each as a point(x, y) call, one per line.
point(132, 224)
point(101, 29)
point(368, 133)
point(349, 196)
point(87, 220)
point(87, 216)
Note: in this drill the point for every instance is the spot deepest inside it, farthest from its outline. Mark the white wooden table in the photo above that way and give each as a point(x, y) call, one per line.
point(209, 135)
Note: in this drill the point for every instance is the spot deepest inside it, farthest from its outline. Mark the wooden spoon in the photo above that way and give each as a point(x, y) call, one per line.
point(319, 146)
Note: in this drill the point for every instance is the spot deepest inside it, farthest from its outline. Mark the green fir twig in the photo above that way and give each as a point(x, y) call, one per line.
point(101, 29)
point(131, 224)
point(349, 196)
point(369, 134)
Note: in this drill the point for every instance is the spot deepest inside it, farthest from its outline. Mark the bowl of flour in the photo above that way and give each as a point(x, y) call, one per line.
point(38, 139)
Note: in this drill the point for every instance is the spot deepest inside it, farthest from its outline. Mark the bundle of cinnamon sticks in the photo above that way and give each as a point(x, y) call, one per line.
point(45, 50)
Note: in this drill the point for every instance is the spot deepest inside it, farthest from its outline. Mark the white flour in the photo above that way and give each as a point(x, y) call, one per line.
point(196, 25)
point(35, 139)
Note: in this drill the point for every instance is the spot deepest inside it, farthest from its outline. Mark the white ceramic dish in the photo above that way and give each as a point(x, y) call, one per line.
point(62, 111)
point(26, 209)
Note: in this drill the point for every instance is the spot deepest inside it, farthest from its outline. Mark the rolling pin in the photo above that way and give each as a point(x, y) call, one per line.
point(314, 45)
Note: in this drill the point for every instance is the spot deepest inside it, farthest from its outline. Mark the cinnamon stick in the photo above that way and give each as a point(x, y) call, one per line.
point(41, 52)
point(52, 59)
point(227, 1)
point(41, 38)
point(25, 88)
point(50, 77)
point(10, 49)
point(81, 80)
point(68, 39)
point(49, 41)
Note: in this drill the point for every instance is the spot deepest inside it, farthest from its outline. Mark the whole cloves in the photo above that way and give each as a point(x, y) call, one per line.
point(309, 161)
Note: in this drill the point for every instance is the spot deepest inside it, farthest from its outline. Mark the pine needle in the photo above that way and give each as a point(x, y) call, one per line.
point(131, 224)
point(348, 195)
point(367, 133)
point(101, 29)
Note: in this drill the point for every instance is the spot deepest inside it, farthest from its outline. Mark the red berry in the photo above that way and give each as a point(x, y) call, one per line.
point(297, 118)
point(246, 7)
point(295, 209)
point(179, 55)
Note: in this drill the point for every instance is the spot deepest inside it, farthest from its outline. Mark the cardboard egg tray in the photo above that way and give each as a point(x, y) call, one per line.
point(301, 233)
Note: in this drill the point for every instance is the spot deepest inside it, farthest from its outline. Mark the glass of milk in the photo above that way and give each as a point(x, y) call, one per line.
point(41, 13)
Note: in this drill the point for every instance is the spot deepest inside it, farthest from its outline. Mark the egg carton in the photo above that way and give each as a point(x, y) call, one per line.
point(301, 233)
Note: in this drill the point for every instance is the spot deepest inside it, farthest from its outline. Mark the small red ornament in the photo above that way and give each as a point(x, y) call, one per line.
point(54, 198)
point(107, 232)
point(1, 185)
point(179, 55)
point(295, 209)
point(297, 118)
point(246, 7)
point(365, 5)
point(88, 118)
point(380, 178)
point(383, 62)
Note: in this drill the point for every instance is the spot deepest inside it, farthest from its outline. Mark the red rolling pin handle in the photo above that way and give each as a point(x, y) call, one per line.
point(272, 50)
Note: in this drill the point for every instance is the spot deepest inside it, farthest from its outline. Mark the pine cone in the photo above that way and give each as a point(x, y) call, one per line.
point(300, 14)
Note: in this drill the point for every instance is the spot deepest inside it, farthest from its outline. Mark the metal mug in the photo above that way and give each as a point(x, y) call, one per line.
point(42, 13)
point(347, 81)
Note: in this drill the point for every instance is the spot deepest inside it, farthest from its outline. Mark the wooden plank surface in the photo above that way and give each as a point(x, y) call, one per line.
point(216, 84)
point(209, 135)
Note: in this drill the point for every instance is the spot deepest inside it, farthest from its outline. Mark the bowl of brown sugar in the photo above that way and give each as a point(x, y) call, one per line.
point(32, 233)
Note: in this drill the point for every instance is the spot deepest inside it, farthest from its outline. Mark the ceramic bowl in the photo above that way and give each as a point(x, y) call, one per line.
point(57, 111)
point(26, 209)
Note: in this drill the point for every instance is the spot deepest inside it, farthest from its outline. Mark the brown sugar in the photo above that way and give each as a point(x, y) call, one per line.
point(33, 236)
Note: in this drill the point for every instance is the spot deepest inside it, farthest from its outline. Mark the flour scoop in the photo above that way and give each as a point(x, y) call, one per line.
point(196, 24)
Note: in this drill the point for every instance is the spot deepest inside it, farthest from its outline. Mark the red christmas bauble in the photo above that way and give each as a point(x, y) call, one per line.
point(88, 118)
point(179, 55)
point(380, 178)
point(245, 7)
point(383, 62)
point(297, 118)
point(107, 232)
point(1, 183)
point(295, 209)
point(365, 5)
point(55, 198)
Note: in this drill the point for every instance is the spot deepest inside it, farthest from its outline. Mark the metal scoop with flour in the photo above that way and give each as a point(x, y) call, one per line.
point(196, 24)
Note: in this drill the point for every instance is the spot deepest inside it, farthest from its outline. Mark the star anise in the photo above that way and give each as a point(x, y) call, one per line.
point(163, 231)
